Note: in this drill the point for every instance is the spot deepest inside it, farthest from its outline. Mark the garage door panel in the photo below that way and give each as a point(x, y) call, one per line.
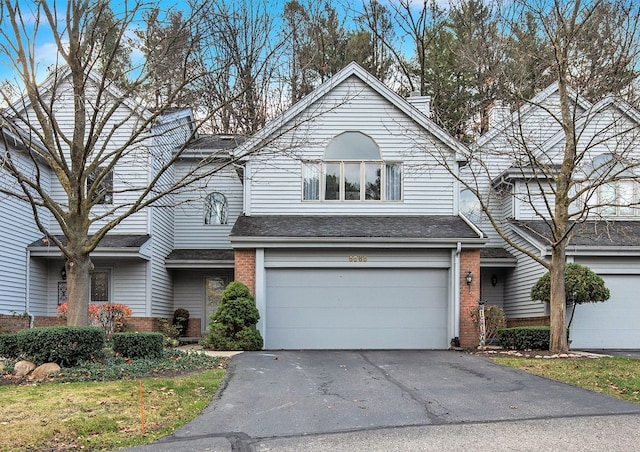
point(354, 318)
point(614, 323)
point(356, 308)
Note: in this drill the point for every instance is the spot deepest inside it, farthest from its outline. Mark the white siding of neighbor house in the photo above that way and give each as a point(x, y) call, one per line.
point(38, 287)
point(17, 232)
point(275, 177)
point(130, 172)
point(517, 289)
point(190, 230)
point(127, 285)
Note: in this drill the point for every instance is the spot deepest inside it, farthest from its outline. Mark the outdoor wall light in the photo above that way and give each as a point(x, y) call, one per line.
point(494, 280)
point(469, 277)
point(63, 273)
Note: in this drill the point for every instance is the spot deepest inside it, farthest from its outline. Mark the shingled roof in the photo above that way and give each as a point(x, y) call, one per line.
point(589, 233)
point(441, 227)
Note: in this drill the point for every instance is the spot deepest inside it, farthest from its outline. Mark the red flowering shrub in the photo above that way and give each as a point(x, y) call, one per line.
point(110, 316)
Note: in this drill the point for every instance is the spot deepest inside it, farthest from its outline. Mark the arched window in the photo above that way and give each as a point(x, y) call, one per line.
point(352, 170)
point(216, 210)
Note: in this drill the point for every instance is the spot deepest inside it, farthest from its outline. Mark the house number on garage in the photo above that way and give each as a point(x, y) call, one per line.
point(357, 258)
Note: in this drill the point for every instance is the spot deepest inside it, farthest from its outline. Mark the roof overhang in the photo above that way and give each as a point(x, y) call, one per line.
point(199, 258)
point(291, 231)
point(112, 246)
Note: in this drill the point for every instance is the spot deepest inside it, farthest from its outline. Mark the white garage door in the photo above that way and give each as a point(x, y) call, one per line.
point(346, 308)
point(614, 323)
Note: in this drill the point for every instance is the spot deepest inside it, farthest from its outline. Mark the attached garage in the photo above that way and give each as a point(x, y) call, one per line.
point(613, 324)
point(359, 282)
point(346, 308)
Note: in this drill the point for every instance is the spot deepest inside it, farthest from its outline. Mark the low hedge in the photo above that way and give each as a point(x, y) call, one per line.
point(138, 345)
point(525, 337)
point(65, 345)
point(9, 346)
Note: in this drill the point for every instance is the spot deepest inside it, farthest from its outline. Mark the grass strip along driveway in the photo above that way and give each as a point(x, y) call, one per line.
point(100, 415)
point(615, 376)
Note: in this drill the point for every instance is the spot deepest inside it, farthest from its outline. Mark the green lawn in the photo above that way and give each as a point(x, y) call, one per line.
point(101, 415)
point(615, 376)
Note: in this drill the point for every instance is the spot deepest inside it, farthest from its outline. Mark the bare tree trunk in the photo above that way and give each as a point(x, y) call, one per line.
point(558, 335)
point(78, 287)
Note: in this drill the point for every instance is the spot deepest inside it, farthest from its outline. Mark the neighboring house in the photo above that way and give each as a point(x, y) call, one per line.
point(351, 236)
point(17, 232)
point(606, 240)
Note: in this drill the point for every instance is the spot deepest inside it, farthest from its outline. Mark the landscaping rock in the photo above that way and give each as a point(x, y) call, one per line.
point(22, 368)
point(1, 366)
point(45, 370)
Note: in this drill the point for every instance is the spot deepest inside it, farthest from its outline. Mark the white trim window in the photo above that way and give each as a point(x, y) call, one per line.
point(216, 209)
point(617, 198)
point(616, 194)
point(352, 170)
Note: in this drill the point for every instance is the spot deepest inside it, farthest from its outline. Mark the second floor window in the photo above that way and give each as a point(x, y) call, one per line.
point(352, 170)
point(103, 193)
point(216, 210)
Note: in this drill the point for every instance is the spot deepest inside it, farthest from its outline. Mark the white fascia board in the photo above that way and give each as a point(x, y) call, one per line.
point(357, 242)
point(130, 252)
point(530, 239)
point(191, 264)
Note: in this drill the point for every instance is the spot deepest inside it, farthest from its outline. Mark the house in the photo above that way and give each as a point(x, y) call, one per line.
point(607, 220)
point(351, 235)
point(337, 215)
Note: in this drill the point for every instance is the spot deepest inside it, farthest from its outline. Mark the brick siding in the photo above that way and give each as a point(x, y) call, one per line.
point(469, 296)
point(245, 268)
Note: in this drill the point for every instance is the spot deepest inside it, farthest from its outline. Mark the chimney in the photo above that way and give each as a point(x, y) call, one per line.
point(422, 103)
point(499, 114)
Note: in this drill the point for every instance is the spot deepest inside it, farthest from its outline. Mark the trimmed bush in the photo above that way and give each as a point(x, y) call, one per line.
point(233, 325)
point(525, 337)
point(9, 346)
point(138, 345)
point(65, 345)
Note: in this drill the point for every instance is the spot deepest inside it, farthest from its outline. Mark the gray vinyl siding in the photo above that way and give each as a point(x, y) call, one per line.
point(17, 232)
point(189, 289)
point(39, 288)
point(190, 230)
point(162, 240)
point(517, 289)
point(130, 172)
point(275, 178)
point(375, 258)
point(127, 285)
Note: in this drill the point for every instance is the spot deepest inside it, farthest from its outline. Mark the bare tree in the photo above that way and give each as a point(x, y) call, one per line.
point(241, 40)
point(108, 148)
point(594, 163)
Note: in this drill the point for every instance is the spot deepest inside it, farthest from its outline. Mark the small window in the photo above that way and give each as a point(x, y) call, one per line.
point(103, 193)
point(100, 282)
point(216, 210)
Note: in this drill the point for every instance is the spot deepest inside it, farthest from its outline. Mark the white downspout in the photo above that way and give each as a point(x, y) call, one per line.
point(456, 291)
point(27, 290)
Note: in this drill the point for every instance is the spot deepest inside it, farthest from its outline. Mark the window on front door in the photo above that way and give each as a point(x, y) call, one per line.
point(100, 282)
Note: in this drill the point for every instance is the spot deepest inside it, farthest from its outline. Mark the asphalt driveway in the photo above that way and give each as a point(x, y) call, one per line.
point(294, 393)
